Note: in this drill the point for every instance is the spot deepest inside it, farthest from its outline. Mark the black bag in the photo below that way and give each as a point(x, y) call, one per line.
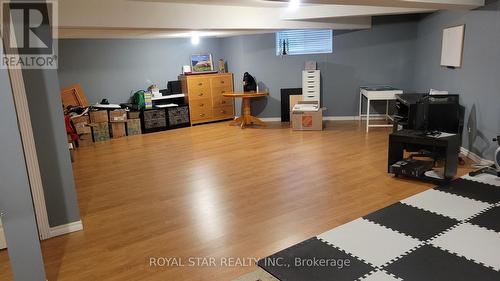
point(249, 84)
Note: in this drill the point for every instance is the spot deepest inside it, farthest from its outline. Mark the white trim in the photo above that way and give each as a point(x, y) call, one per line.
point(476, 158)
point(31, 158)
point(271, 119)
point(340, 118)
point(354, 118)
point(331, 118)
point(66, 228)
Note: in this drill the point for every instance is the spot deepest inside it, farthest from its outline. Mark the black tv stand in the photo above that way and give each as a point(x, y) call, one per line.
point(446, 148)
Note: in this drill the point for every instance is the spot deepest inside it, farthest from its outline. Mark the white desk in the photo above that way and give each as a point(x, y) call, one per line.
point(106, 106)
point(377, 93)
point(176, 96)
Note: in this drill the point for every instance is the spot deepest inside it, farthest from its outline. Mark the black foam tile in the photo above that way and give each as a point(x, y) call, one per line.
point(489, 219)
point(411, 221)
point(471, 189)
point(432, 264)
point(283, 265)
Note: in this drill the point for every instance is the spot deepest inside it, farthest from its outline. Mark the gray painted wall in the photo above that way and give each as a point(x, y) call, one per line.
point(47, 120)
point(114, 68)
point(403, 51)
point(15, 195)
point(384, 54)
point(477, 81)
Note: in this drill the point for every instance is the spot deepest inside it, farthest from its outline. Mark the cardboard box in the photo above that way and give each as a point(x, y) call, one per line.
point(82, 128)
point(307, 120)
point(134, 127)
point(134, 115)
point(119, 115)
point(81, 119)
point(294, 99)
point(85, 140)
point(118, 130)
point(97, 117)
point(100, 131)
point(81, 124)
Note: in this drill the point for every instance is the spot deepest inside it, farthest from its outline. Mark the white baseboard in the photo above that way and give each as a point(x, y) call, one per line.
point(353, 118)
point(271, 119)
point(340, 118)
point(474, 157)
point(66, 228)
point(331, 118)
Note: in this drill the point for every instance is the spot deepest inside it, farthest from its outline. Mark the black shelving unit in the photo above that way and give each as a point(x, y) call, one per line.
point(159, 119)
point(446, 148)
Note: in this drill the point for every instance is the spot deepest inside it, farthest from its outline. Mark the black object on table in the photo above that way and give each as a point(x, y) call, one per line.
point(285, 102)
point(429, 113)
point(446, 148)
point(174, 87)
point(406, 111)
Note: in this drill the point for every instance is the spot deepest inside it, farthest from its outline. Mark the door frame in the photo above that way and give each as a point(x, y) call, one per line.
point(3, 243)
point(30, 155)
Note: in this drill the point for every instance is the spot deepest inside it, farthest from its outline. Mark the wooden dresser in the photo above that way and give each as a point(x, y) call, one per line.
point(204, 92)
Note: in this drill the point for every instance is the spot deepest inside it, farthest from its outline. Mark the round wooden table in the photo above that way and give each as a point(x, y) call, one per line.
point(246, 117)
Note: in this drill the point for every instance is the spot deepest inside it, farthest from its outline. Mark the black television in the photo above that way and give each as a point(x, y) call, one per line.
point(439, 113)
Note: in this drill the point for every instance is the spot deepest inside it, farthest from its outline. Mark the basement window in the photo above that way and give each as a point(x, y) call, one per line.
point(304, 42)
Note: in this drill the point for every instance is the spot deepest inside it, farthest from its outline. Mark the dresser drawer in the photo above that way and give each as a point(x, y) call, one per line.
point(200, 104)
point(222, 81)
point(200, 94)
point(201, 113)
point(219, 91)
point(199, 88)
point(222, 101)
point(224, 112)
point(200, 109)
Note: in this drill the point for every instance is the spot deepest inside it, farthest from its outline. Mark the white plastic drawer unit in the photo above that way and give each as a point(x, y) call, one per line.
point(311, 85)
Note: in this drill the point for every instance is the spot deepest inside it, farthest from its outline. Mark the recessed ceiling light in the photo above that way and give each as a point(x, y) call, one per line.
point(294, 4)
point(195, 39)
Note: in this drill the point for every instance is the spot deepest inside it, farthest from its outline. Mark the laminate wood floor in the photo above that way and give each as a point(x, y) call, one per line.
point(216, 191)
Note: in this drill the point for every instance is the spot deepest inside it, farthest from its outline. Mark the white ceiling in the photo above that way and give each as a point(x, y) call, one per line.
point(220, 18)
point(245, 3)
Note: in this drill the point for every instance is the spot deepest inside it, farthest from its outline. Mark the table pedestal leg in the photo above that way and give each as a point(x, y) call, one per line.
point(246, 112)
point(236, 121)
point(246, 117)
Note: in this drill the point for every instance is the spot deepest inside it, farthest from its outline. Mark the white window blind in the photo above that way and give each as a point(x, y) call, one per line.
point(301, 42)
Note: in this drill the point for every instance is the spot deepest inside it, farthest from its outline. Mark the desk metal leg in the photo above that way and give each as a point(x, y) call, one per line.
point(387, 110)
point(368, 115)
point(360, 105)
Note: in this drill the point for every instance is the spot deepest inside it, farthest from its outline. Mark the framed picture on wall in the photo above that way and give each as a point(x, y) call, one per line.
point(202, 63)
point(453, 46)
